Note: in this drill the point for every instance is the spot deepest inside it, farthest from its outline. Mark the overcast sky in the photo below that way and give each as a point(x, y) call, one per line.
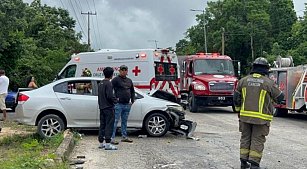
point(136, 24)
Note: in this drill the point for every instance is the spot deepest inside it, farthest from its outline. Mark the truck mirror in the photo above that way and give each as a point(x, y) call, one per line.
point(239, 68)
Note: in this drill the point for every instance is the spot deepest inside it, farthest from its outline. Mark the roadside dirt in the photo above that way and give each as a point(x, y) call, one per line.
point(10, 128)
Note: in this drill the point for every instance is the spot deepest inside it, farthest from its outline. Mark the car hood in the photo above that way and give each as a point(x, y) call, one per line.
point(163, 102)
point(218, 78)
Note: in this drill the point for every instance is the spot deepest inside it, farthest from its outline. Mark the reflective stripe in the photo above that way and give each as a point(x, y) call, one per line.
point(256, 115)
point(238, 108)
point(256, 75)
point(261, 101)
point(244, 151)
point(243, 97)
point(253, 153)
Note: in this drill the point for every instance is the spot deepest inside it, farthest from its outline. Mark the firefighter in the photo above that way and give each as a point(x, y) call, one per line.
point(253, 99)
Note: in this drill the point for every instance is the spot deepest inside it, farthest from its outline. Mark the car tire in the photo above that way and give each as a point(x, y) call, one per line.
point(50, 125)
point(192, 103)
point(156, 125)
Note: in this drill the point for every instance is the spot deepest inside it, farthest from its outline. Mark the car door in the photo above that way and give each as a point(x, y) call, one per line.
point(79, 102)
point(135, 118)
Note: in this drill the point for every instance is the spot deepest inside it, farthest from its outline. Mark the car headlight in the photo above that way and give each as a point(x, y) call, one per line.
point(177, 108)
point(199, 87)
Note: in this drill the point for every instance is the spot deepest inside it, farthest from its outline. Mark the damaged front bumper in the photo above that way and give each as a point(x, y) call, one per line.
point(186, 128)
point(180, 125)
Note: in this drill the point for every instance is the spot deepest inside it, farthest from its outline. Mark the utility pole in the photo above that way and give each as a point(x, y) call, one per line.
point(88, 26)
point(205, 32)
point(252, 47)
point(155, 42)
point(223, 40)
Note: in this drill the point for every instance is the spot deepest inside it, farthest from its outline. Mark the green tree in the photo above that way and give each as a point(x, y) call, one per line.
point(36, 40)
point(11, 34)
point(282, 17)
point(251, 28)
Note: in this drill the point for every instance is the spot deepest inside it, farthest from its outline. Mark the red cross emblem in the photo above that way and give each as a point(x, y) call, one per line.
point(160, 69)
point(172, 70)
point(136, 71)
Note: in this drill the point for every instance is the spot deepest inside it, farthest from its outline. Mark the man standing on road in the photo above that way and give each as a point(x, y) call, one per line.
point(124, 92)
point(4, 84)
point(253, 98)
point(106, 101)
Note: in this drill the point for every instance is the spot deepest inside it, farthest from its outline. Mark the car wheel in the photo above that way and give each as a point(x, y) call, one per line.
point(50, 125)
point(156, 125)
point(192, 103)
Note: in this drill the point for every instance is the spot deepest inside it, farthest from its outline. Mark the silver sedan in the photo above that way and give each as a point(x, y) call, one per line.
point(73, 103)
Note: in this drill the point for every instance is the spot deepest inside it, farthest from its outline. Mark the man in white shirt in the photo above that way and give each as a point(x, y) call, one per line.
point(4, 85)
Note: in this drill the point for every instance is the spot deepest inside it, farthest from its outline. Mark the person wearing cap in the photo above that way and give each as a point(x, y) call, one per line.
point(125, 94)
point(4, 84)
point(253, 99)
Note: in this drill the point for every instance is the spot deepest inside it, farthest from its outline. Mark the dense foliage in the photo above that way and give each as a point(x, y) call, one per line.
point(271, 25)
point(36, 40)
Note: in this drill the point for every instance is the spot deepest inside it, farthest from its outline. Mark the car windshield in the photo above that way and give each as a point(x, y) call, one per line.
point(213, 66)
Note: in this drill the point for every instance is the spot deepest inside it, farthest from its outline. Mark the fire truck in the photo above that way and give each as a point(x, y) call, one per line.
point(292, 81)
point(207, 79)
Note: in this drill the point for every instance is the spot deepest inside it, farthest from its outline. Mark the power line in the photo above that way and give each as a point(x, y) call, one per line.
point(88, 27)
point(100, 37)
point(77, 18)
point(95, 35)
point(78, 4)
point(62, 4)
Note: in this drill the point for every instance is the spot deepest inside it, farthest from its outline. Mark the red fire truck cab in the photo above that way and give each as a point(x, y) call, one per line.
point(207, 79)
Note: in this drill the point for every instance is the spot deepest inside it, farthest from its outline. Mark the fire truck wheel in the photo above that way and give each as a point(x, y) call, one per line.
point(192, 103)
point(156, 125)
point(278, 112)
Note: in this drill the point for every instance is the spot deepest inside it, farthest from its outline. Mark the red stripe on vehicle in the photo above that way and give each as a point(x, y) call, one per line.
point(143, 86)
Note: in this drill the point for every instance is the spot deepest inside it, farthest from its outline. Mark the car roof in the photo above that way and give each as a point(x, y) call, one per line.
point(79, 78)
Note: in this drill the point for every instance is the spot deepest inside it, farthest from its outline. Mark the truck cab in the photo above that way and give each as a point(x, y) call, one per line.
point(208, 79)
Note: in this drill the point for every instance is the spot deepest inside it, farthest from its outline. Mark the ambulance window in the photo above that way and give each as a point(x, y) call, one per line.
point(69, 71)
point(166, 71)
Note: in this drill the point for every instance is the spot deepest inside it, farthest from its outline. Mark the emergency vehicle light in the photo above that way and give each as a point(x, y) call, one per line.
point(215, 54)
point(143, 55)
point(77, 59)
point(200, 53)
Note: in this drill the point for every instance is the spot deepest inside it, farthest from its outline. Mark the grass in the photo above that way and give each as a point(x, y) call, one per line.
point(29, 150)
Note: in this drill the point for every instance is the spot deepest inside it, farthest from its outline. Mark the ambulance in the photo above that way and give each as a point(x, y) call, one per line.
point(149, 69)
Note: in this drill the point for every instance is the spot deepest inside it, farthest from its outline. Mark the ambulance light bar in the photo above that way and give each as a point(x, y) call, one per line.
point(164, 51)
point(213, 54)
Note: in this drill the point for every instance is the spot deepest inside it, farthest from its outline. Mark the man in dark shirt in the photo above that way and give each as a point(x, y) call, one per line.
point(124, 92)
point(106, 101)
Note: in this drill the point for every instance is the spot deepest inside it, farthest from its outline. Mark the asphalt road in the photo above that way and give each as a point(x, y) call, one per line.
point(218, 147)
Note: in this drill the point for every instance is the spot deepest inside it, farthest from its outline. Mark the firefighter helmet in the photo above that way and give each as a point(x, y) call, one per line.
point(261, 62)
